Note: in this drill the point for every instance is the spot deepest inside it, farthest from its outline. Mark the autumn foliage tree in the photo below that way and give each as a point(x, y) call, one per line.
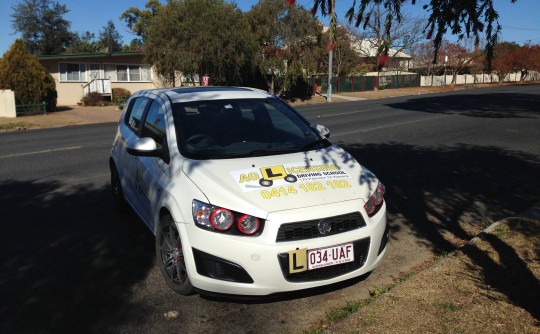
point(21, 72)
point(511, 58)
point(505, 61)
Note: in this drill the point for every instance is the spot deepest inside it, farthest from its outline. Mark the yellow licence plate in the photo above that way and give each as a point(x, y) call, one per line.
point(304, 259)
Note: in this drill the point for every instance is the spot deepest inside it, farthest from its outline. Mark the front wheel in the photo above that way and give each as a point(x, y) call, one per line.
point(170, 256)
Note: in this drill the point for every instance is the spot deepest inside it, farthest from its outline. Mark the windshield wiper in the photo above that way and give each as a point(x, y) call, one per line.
point(313, 144)
point(256, 153)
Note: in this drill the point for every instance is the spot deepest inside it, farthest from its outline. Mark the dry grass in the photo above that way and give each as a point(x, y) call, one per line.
point(74, 115)
point(491, 285)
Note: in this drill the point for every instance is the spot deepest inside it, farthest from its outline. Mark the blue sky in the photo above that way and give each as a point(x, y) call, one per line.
point(519, 20)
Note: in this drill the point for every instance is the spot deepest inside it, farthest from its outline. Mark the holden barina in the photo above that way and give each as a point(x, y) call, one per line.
point(244, 195)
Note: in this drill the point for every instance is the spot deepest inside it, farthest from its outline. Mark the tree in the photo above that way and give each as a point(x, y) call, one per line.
point(423, 60)
point(345, 59)
point(83, 43)
point(139, 20)
point(288, 43)
point(42, 26)
point(21, 72)
point(110, 39)
point(462, 18)
point(378, 46)
point(135, 45)
point(504, 61)
point(183, 36)
point(527, 58)
point(511, 57)
point(456, 58)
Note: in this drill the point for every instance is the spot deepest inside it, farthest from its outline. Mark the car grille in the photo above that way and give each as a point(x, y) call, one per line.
point(309, 229)
point(361, 249)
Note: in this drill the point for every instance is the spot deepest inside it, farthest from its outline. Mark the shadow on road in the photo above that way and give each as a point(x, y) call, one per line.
point(446, 195)
point(499, 105)
point(67, 258)
point(69, 261)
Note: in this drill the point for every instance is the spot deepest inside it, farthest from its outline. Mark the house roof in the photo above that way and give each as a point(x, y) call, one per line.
point(369, 47)
point(89, 55)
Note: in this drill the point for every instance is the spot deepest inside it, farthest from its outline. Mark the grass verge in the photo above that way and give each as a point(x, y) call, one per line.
point(16, 126)
point(491, 285)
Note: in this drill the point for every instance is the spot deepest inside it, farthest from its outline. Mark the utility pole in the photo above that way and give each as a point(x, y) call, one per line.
point(329, 93)
point(332, 32)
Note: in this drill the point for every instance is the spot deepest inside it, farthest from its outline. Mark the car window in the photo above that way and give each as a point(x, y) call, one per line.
point(280, 118)
point(154, 124)
point(135, 114)
point(220, 129)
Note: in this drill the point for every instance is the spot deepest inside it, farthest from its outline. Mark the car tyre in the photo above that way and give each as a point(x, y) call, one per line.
point(171, 258)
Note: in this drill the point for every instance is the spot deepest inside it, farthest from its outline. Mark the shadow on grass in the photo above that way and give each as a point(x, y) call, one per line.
point(67, 258)
point(509, 274)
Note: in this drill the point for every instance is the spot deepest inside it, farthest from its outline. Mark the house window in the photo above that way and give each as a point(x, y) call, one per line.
point(95, 71)
point(72, 72)
point(128, 73)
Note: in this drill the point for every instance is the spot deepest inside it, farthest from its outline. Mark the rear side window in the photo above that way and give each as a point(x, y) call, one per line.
point(136, 112)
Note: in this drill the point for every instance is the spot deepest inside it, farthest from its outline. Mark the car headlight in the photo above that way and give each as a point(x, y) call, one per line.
point(375, 201)
point(218, 219)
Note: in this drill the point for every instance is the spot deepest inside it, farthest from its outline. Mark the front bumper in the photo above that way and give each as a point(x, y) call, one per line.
point(238, 265)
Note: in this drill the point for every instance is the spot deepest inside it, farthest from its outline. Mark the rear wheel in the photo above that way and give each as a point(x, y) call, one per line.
point(170, 256)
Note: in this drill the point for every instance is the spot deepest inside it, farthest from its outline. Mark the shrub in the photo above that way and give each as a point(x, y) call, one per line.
point(92, 99)
point(21, 72)
point(119, 94)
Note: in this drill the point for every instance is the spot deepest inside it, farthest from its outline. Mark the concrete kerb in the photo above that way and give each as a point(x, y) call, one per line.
point(348, 98)
point(531, 213)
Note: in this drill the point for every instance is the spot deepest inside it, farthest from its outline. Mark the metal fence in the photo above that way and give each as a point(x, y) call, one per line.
point(31, 109)
point(319, 84)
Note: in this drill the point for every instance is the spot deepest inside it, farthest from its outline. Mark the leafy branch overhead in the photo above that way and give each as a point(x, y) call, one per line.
point(472, 18)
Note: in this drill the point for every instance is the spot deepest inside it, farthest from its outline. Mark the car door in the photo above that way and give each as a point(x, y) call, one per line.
point(129, 133)
point(151, 173)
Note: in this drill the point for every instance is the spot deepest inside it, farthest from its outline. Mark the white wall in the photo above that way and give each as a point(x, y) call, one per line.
point(465, 79)
point(7, 104)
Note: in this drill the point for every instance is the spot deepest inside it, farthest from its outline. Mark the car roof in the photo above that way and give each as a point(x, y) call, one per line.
point(202, 93)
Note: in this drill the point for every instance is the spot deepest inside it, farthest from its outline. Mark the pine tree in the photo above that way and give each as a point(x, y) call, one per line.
point(110, 39)
point(21, 72)
point(42, 26)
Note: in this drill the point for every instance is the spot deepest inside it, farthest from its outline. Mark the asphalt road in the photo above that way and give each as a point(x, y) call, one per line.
point(69, 262)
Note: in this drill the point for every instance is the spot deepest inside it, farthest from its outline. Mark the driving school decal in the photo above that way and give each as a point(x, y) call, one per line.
point(282, 180)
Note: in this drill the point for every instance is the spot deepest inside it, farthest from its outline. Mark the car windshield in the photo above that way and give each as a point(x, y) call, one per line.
point(220, 129)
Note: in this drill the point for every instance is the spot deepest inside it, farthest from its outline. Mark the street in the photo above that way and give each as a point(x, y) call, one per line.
point(452, 163)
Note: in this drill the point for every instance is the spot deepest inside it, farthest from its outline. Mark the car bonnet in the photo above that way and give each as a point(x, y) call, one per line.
point(260, 185)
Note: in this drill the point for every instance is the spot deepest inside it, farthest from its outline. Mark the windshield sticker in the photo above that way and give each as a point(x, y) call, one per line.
point(274, 181)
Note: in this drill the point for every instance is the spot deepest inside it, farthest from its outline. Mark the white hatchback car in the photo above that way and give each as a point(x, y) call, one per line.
point(243, 194)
